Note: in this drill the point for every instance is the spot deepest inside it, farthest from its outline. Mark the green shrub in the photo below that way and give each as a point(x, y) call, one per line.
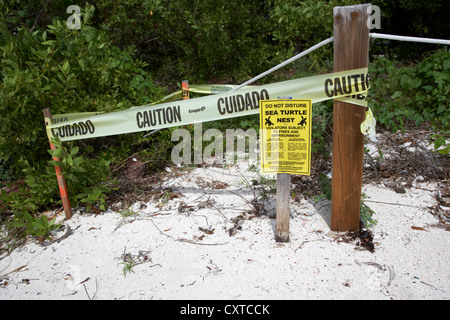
point(67, 71)
point(412, 93)
point(199, 41)
point(37, 227)
point(88, 181)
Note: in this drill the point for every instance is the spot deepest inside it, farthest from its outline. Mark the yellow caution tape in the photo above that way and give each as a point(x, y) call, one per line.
point(349, 86)
point(368, 126)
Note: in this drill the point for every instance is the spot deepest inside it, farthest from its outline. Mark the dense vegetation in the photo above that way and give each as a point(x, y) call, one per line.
point(133, 52)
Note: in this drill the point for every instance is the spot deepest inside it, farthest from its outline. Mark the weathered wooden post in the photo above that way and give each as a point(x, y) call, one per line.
point(283, 194)
point(351, 51)
point(61, 180)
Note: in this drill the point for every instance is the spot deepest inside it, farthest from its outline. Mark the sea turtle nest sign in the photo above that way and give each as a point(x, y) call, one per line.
point(285, 126)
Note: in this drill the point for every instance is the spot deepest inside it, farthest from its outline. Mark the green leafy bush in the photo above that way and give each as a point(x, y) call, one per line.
point(199, 41)
point(88, 181)
point(412, 94)
point(37, 227)
point(67, 71)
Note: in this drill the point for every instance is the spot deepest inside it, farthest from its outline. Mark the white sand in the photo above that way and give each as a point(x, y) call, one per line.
point(184, 262)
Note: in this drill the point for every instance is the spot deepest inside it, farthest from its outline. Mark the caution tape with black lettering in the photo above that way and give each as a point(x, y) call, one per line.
point(349, 86)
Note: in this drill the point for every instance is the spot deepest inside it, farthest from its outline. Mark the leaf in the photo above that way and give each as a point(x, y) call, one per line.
point(397, 94)
point(56, 153)
point(70, 160)
point(55, 163)
point(40, 233)
point(81, 195)
point(52, 222)
point(440, 141)
point(18, 224)
point(444, 151)
point(441, 109)
point(74, 151)
point(48, 42)
point(415, 83)
point(418, 228)
point(446, 64)
point(66, 68)
point(404, 82)
point(77, 161)
point(78, 169)
point(44, 221)
point(28, 217)
point(81, 63)
point(37, 224)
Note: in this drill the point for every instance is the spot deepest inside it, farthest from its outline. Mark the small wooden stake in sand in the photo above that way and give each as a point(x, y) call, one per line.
point(61, 180)
point(283, 193)
point(185, 89)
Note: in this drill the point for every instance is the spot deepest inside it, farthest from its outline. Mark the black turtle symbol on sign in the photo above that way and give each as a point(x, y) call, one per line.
point(268, 122)
point(303, 122)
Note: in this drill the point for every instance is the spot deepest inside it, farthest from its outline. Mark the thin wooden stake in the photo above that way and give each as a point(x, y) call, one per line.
point(185, 89)
point(61, 180)
point(283, 194)
point(351, 51)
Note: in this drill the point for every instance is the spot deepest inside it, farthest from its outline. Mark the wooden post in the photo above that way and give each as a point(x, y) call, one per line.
point(61, 180)
point(351, 51)
point(185, 89)
point(283, 194)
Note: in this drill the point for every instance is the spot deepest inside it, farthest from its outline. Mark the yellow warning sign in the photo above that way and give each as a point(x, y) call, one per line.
point(285, 139)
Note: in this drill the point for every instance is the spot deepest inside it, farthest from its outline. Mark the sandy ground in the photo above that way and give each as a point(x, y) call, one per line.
point(200, 241)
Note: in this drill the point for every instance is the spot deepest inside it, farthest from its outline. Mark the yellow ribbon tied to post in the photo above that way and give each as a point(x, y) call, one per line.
point(368, 126)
